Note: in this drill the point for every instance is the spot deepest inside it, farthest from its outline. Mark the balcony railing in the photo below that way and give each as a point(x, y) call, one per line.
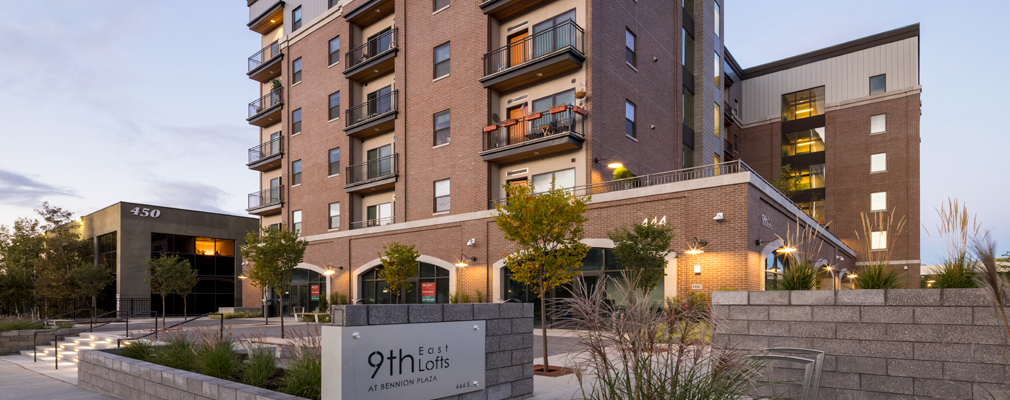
point(268, 149)
point(379, 168)
point(533, 126)
point(368, 50)
point(372, 108)
point(271, 99)
point(368, 223)
point(264, 55)
point(564, 35)
point(266, 197)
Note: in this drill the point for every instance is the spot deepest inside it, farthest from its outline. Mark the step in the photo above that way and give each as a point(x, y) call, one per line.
point(64, 358)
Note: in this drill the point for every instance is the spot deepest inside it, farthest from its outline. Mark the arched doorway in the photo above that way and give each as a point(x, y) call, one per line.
point(431, 284)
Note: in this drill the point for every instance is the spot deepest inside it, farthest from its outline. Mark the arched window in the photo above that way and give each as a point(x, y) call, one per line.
point(776, 264)
point(431, 285)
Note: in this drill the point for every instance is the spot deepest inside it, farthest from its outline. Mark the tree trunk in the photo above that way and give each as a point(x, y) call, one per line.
point(184, 306)
point(266, 310)
point(280, 311)
point(164, 311)
point(94, 309)
point(543, 325)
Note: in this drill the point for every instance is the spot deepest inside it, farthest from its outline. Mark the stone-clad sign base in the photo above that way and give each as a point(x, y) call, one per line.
point(415, 361)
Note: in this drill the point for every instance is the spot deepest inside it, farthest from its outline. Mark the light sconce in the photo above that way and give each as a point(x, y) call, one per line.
point(243, 277)
point(697, 270)
point(786, 250)
point(463, 261)
point(472, 242)
point(330, 271)
point(696, 246)
point(611, 165)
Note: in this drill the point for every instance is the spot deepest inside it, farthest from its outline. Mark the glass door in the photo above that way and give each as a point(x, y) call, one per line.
point(547, 39)
point(379, 101)
point(379, 161)
point(379, 42)
point(275, 190)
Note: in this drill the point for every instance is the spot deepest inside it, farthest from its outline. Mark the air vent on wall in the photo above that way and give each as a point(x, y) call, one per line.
point(517, 172)
point(518, 98)
point(517, 26)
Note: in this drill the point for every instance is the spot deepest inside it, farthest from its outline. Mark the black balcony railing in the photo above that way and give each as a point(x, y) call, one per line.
point(368, 223)
point(382, 167)
point(565, 35)
point(544, 124)
point(373, 47)
point(268, 149)
point(372, 108)
point(266, 197)
point(271, 99)
point(264, 55)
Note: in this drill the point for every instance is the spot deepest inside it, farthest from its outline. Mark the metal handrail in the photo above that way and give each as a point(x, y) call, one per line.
point(56, 338)
point(119, 341)
point(372, 108)
point(565, 35)
point(368, 223)
point(370, 49)
point(266, 197)
point(275, 97)
point(43, 321)
point(518, 131)
point(266, 54)
point(267, 149)
point(378, 168)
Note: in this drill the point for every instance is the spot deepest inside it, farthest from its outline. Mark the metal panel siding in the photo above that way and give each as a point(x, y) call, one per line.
point(311, 9)
point(845, 78)
point(259, 7)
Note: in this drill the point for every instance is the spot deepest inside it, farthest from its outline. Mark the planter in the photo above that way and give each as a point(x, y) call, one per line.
point(533, 116)
point(579, 110)
point(557, 109)
point(509, 123)
point(490, 128)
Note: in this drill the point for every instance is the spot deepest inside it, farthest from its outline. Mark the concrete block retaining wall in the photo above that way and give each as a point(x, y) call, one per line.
point(104, 372)
point(508, 338)
point(12, 342)
point(893, 344)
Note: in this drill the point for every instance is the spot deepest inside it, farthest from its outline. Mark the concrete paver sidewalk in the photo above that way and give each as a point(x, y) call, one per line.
point(21, 383)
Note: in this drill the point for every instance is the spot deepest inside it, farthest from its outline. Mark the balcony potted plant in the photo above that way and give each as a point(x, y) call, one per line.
point(509, 123)
point(557, 109)
point(490, 128)
point(533, 116)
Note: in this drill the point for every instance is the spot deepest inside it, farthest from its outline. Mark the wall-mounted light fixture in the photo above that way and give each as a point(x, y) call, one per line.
point(472, 242)
point(243, 277)
point(696, 246)
point(786, 250)
point(611, 165)
point(463, 261)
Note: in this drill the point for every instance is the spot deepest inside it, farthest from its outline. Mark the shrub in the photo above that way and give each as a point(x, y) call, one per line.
point(138, 350)
point(800, 276)
point(955, 276)
point(258, 369)
point(178, 352)
point(878, 276)
point(304, 375)
point(240, 314)
point(216, 358)
point(480, 296)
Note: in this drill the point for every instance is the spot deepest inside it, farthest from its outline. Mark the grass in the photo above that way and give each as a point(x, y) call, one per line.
point(879, 276)
point(304, 375)
point(9, 322)
point(217, 358)
point(259, 368)
point(241, 314)
point(800, 276)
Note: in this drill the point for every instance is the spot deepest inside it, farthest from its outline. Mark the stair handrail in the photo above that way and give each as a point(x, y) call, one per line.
point(56, 338)
point(43, 321)
point(119, 341)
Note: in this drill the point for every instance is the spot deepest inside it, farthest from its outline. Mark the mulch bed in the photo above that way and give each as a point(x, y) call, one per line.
point(554, 372)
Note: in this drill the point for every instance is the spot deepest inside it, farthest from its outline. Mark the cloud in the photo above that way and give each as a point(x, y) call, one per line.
point(20, 190)
point(190, 196)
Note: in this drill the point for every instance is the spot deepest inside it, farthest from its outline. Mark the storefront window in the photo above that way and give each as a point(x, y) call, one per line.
point(431, 285)
point(214, 260)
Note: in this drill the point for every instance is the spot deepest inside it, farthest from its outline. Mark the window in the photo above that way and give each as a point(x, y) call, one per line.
point(688, 6)
point(296, 121)
point(334, 215)
point(442, 61)
point(563, 179)
point(296, 67)
point(717, 130)
point(687, 50)
point(296, 18)
point(803, 142)
point(107, 251)
point(688, 157)
point(296, 173)
point(554, 34)
point(442, 195)
point(715, 17)
point(380, 214)
point(429, 284)
point(442, 128)
point(334, 161)
point(878, 84)
point(335, 50)
point(803, 104)
point(815, 209)
point(334, 106)
point(878, 162)
point(878, 123)
point(440, 4)
point(332, 3)
point(878, 201)
point(808, 177)
point(629, 118)
point(296, 221)
point(629, 47)
point(687, 103)
point(716, 65)
point(878, 240)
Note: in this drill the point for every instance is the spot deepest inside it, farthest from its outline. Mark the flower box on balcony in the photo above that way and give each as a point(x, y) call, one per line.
point(579, 110)
point(509, 123)
point(534, 116)
point(490, 128)
point(558, 109)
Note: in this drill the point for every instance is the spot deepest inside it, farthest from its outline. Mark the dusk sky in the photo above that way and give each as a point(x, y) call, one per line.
point(145, 101)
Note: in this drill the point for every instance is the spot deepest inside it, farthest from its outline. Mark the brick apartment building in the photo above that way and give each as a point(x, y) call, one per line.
point(395, 120)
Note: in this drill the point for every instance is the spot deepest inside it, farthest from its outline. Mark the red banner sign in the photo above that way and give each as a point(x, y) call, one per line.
point(314, 292)
point(427, 292)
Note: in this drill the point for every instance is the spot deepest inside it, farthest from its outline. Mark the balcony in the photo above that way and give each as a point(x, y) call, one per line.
point(539, 57)
point(373, 175)
point(536, 135)
point(266, 110)
point(266, 63)
point(504, 10)
point(373, 58)
point(266, 156)
point(368, 223)
point(372, 117)
point(370, 12)
point(266, 201)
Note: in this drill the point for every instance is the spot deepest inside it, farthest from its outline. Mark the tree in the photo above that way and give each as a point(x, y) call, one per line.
point(63, 251)
point(785, 182)
point(642, 249)
point(21, 247)
point(399, 263)
point(547, 228)
point(182, 278)
point(273, 256)
point(91, 280)
point(162, 270)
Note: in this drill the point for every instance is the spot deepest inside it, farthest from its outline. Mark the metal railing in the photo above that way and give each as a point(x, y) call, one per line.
point(56, 337)
point(119, 341)
point(44, 307)
point(544, 125)
point(368, 223)
point(372, 108)
point(267, 149)
point(370, 49)
point(275, 97)
point(266, 197)
point(532, 48)
point(378, 168)
point(264, 55)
